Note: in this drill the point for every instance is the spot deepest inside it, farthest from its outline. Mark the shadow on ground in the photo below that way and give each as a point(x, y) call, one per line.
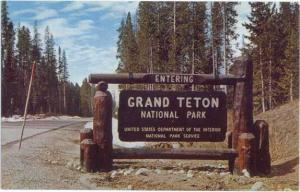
point(285, 167)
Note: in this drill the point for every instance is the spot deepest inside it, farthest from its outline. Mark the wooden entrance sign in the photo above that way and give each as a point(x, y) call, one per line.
point(176, 116)
point(172, 116)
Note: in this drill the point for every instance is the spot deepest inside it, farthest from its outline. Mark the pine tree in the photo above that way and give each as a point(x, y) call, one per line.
point(259, 17)
point(229, 32)
point(8, 68)
point(59, 75)
point(289, 14)
point(128, 54)
point(65, 76)
point(120, 47)
point(24, 65)
point(85, 98)
point(217, 27)
point(146, 35)
point(36, 57)
point(51, 80)
point(199, 33)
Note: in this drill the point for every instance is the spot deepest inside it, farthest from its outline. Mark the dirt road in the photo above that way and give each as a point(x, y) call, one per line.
point(50, 160)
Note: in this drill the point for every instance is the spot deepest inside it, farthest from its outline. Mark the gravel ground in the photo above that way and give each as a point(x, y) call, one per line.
point(51, 161)
point(41, 162)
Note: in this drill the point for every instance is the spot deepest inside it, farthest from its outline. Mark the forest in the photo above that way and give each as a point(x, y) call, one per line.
point(197, 37)
point(167, 37)
point(52, 92)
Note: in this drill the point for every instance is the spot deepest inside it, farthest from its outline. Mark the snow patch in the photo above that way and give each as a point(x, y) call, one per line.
point(116, 140)
point(89, 125)
point(18, 118)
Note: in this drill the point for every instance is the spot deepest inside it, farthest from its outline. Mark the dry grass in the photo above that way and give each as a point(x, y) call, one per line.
point(283, 129)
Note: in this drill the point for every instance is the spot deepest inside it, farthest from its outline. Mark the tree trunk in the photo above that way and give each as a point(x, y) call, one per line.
point(65, 101)
point(270, 78)
point(193, 62)
point(59, 99)
point(174, 33)
point(291, 87)
point(212, 42)
point(173, 87)
point(49, 103)
point(262, 83)
point(224, 28)
point(193, 47)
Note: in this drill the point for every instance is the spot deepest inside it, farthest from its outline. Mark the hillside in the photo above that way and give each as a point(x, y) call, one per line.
point(283, 129)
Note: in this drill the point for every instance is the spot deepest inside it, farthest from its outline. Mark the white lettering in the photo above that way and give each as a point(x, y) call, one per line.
point(180, 99)
point(139, 102)
point(130, 102)
point(188, 102)
point(205, 102)
point(215, 102)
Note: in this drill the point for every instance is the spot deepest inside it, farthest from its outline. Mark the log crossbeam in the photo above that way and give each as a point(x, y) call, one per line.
point(185, 154)
point(162, 78)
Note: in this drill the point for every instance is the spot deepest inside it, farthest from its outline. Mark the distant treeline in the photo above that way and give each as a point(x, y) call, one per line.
point(52, 92)
point(197, 37)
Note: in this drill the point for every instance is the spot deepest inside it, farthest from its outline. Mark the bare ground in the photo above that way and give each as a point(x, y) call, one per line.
point(50, 161)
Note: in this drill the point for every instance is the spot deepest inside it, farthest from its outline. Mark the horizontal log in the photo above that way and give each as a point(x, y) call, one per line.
point(163, 78)
point(205, 154)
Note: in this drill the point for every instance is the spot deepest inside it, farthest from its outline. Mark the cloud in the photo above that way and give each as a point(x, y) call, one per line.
point(112, 9)
point(61, 28)
point(44, 13)
point(73, 6)
point(39, 13)
point(86, 59)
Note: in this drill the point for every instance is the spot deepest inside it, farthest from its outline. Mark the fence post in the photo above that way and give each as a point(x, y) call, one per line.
point(262, 142)
point(247, 153)
point(89, 155)
point(84, 134)
point(243, 112)
point(229, 145)
point(102, 126)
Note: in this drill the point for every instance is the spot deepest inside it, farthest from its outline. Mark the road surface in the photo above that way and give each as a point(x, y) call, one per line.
point(47, 147)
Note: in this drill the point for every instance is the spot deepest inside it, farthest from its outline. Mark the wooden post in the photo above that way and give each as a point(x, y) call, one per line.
point(247, 153)
point(229, 145)
point(90, 155)
point(243, 111)
point(102, 126)
point(84, 134)
point(262, 144)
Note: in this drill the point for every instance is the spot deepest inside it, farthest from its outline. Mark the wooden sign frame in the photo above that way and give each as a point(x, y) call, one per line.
point(241, 141)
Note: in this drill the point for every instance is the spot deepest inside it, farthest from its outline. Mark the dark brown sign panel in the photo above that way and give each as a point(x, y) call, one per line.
point(172, 116)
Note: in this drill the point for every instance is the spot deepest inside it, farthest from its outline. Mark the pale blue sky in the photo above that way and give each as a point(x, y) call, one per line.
point(87, 29)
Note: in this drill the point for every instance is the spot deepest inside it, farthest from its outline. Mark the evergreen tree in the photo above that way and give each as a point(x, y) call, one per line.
point(120, 46)
point(199, 35)
point(24, 65)
point(65, 76)
point(51, 80)
point(289, 14)
point(260, 14)
point(216, 33)
point(8, 67)
point(36, 57)
point(229, 32)
point(59, 75)
point(85, 98)
point(128, 55)
point(146, 35)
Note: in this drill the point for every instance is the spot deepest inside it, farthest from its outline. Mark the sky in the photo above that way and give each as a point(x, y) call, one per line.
point(87, 30)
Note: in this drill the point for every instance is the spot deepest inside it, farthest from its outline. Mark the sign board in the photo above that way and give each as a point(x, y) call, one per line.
point(172, 116)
